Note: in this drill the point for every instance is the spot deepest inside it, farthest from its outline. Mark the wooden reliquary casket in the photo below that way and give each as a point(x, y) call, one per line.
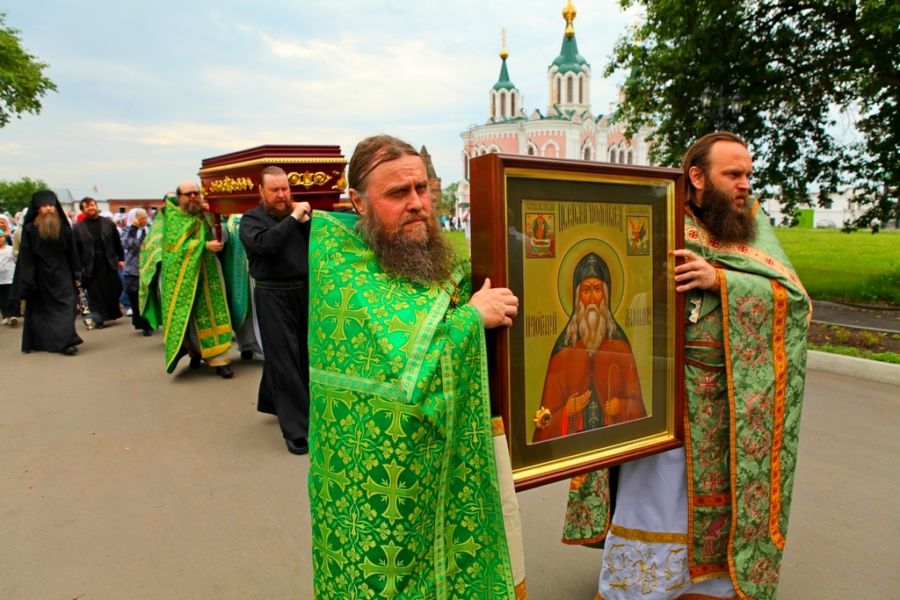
point(316, 174)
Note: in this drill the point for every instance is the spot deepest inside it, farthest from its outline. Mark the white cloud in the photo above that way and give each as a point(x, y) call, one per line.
point(174, 83)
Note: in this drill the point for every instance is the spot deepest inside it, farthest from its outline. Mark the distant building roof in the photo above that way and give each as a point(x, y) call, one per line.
point(503, 82)
point(569, 60)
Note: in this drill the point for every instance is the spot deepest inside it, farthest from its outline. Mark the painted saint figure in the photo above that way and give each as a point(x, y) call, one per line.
point(539, 228)
point(592, 379)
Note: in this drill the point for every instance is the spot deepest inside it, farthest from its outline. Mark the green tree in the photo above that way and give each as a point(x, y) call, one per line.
point(16, 195)
point(22, 80)
point(448, 199)
point(792, 63)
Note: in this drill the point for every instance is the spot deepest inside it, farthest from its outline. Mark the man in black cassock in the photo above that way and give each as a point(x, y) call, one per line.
point(100, 249)
point(276, 237)
point(47, 273)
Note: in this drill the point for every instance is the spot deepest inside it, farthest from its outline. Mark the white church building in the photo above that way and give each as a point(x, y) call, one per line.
point(566, 129)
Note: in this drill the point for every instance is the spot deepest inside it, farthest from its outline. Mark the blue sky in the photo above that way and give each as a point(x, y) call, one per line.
point(147, 90)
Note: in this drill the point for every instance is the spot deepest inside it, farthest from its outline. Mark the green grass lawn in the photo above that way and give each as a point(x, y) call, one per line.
point(458, 240)
point(849, 267)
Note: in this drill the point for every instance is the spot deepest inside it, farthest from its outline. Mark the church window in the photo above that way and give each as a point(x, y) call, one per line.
point(512, 104)
point(465, 165)
point(630, 157)
point(612, 155)
point(570, 95)
point(493, 105)
point(502, 104)
point(587, 153)
point(581, 89)
point(558, 89)
point(531, 151)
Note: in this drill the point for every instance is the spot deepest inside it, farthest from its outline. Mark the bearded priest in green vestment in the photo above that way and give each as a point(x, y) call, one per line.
point(709, 520)
point(182, 287)
point(404, 483)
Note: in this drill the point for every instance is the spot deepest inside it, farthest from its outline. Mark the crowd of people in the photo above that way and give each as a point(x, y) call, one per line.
point(372, 337)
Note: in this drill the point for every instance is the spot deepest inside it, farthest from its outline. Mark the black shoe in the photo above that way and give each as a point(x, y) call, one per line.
point(246, 354)
point(196, 361)
point(70, 350)
point(224, 372)
point(298, 446)
point(99, 324)
point(148, 332)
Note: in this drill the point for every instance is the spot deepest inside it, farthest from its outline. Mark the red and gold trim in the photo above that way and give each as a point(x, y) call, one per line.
point(497, 428)
point(712, 499)
point(705, 343)
point(700, 236)
point(779, 352)
point(732, 438)
point(706, 572)
point(689, 464)
point(521, 591)
point(649, 537)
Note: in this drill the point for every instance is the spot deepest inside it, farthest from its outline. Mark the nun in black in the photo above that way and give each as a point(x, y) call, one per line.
point(47, 274)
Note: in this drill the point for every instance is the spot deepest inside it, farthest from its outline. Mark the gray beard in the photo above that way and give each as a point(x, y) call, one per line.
point(426, 261)
point(590, 324)
point(193, 209)
point(47, 226)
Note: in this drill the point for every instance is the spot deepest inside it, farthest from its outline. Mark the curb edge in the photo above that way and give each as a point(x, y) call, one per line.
point(870, 370)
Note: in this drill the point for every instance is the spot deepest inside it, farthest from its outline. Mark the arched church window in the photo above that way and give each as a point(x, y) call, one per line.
point(587, 153)
point(570, 94)
point(512, 104)
point(612, 155)
point(581, 89)
point(503, 104)
point(531, 150)
point(558, 89)
point(630, 157)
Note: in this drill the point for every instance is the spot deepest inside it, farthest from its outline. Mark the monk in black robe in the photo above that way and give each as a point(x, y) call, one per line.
point(47, 274)
point(276, 238)
point(102, 257)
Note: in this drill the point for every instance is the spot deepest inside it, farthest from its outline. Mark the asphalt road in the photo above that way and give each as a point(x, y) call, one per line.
point(885, 319)
point(118, 481)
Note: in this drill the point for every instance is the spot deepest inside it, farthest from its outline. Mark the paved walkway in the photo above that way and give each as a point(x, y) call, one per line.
point(118, 481)
point(863, 317)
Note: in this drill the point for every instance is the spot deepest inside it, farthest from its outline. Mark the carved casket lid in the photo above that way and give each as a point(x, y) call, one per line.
point(315, 173)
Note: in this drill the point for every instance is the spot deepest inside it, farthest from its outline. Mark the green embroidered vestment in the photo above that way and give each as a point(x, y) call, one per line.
point(745, 367)
point(235, 270)
point(190, 284)
point(403, 482)
point(744, 378)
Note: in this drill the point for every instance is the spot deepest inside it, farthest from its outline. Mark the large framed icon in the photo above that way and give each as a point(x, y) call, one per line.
point(590, 374)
